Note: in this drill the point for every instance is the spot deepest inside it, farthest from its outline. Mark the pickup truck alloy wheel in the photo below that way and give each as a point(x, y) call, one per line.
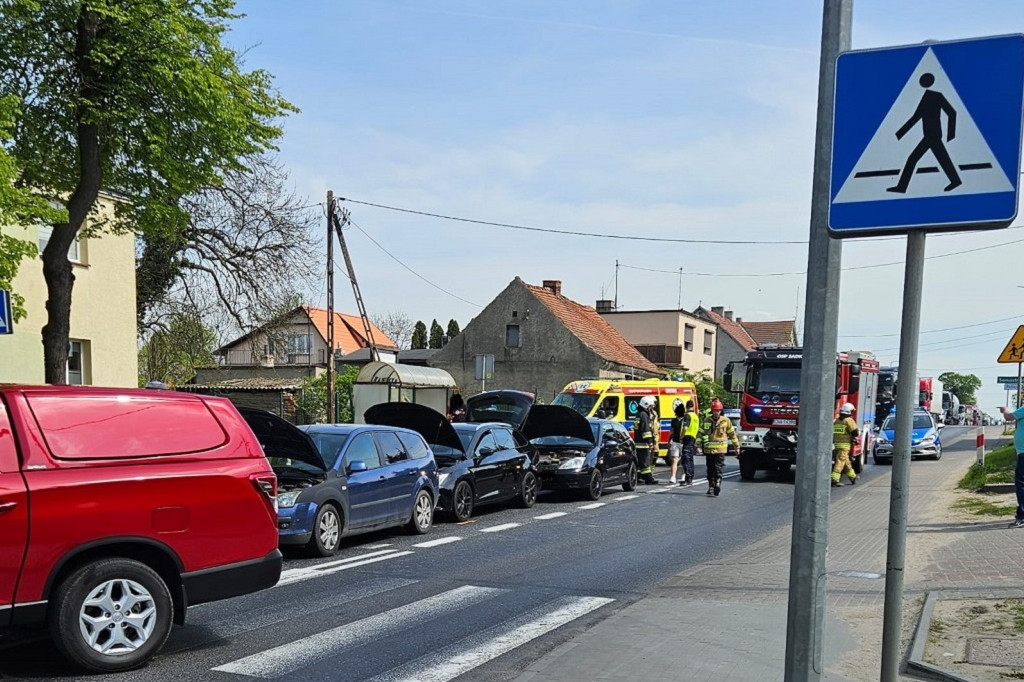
point(422, 514)
point(111, 615)
point(462, 501)
point(326, 531)
point(528, 492)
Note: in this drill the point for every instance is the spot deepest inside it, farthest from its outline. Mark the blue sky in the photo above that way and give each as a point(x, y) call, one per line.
point(666, 118)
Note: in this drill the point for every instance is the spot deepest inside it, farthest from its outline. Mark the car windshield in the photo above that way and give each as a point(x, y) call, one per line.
point(921, 421)
point(774, 379)
point(581, 402)
point(329, 444)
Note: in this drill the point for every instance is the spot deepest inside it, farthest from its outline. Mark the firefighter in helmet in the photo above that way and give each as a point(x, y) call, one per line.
point(717, 437)
point(646, 440)
point(844, 432)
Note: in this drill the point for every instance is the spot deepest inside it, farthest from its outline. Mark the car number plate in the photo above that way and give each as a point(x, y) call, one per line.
point(783, 422)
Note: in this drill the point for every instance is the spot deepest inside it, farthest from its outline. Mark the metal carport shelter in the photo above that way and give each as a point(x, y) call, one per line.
point(384, 382)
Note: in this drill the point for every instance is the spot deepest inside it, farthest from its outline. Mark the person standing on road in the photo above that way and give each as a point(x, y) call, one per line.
point(716, 440)
point(1018, 473)
point(690, 427)
point(844, 432)
point(675, 441)
point(646, 443)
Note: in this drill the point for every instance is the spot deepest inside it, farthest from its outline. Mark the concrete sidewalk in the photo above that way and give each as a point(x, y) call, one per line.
point(726, 621)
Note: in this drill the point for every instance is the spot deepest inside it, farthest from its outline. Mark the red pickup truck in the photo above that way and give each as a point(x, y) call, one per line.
point(119, 508)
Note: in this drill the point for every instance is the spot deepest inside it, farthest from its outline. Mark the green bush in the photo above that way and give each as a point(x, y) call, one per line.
point(997, 464)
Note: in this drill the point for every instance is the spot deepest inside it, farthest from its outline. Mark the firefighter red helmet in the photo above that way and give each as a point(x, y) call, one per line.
point(716, 404)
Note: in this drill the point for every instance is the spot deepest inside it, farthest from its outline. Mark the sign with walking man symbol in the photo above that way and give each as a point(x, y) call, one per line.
point(1014, 351)
point(927, 137)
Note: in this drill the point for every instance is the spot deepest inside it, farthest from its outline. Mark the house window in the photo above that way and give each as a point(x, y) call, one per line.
point(74, 251)
point(709, 339)
point(688, 337)
point(299, 344)
point(512, 336)
point(78, 361)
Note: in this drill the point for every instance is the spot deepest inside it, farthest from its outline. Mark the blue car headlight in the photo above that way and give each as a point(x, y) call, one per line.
point(287, 499)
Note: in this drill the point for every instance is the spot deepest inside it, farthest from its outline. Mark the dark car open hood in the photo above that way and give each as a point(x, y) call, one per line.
point(509, 407)
point(556, 420)
point(428, 422)
point(281, 439)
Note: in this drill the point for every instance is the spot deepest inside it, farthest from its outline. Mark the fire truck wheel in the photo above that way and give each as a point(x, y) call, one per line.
point(748, 468)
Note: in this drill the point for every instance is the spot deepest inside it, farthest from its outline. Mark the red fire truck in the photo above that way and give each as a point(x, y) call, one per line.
point(770, 405)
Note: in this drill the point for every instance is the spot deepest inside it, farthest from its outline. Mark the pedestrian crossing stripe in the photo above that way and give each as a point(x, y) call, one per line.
point(877, 171)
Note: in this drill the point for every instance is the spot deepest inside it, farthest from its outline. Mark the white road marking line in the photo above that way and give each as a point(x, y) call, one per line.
point(496, 529)
point(553, 515)
point(463, 656)
point(439, 541)
point(620, 498)
point(591, 506)
point(296, 575)
point(314, 648)
point(380, 546)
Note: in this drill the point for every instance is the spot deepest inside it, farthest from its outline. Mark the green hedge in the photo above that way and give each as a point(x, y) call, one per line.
point(997, 464)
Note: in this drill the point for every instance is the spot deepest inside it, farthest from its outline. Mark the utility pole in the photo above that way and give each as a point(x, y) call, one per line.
point(807, 563)
point(330, 308)
point(616, 284)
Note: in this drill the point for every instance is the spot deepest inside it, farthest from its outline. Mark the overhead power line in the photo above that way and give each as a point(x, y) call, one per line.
point(932, 331)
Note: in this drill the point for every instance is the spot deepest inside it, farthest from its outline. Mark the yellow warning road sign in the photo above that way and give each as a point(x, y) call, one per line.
point(1014, 351)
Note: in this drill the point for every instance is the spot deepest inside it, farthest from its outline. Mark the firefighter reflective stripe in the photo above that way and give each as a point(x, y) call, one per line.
point(843, 431)
point(719, 435)
point(693, 425)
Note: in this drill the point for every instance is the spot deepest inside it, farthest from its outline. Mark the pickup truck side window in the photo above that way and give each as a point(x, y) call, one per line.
point(122, 426)
point(8, 452)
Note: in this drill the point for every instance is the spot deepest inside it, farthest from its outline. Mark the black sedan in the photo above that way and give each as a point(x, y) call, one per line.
point(607, 456)
point(478, 464)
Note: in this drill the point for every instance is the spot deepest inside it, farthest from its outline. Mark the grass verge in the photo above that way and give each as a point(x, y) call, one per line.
point(998, 468)
point(984, 507)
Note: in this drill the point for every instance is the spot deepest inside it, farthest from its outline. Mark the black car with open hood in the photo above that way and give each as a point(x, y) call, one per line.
point(580, 453)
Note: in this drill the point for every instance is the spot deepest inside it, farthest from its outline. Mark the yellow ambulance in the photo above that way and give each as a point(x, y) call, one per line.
point(619, 399)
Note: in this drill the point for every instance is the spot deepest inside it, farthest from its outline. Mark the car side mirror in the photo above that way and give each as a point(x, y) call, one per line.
point(485, 452)
point(355, 467)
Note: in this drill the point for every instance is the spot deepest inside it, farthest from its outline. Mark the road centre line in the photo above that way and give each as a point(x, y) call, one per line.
point(595, 505)
point(299, 574)
point(620, 498)
point(552, 515)
point(496, 529)
point(439, 541)
point(467, 654)
point(319, 646)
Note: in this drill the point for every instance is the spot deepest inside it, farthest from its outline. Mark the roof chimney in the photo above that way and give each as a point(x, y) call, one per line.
point(554, 286)
point(717, 310)
point(739, 320)
point(605, 305)
point(728, 314)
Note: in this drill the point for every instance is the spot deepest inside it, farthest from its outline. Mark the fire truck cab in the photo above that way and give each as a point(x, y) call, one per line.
point(770, 404)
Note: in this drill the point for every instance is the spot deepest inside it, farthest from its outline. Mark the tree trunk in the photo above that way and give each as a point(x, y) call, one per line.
point(57, 272)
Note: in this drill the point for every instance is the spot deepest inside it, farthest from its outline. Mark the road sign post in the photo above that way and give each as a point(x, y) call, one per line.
point(6, 313)
point(926, 138)
point(484, 365)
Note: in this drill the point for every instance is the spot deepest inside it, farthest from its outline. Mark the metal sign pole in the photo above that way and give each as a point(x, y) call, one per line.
point(805, 624)
point(1016, 403)
point(899, 494)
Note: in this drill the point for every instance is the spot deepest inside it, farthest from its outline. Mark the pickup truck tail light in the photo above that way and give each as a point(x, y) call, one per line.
point(266, 485)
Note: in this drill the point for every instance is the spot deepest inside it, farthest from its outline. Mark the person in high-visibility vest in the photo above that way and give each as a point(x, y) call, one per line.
point(716, 438)
point(844, 432)
point(690, 428)
point(646, 439)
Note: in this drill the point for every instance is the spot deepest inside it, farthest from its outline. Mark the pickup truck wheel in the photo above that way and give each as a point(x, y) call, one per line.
point(111, 615)
point(748, 468)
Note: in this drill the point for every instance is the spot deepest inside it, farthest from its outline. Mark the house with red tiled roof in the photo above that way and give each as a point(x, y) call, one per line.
point(779, 332)
point(541, 340)
point(737, 336)
point(295, 345)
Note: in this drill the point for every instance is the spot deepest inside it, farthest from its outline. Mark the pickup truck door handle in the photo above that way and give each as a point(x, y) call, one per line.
point(7, 506)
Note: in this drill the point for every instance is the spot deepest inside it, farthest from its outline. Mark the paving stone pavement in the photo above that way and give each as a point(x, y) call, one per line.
point(725, 621)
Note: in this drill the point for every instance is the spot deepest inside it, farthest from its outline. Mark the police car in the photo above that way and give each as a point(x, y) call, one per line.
point(925, 440)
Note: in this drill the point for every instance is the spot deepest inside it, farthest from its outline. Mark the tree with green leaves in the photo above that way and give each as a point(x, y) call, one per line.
point(708, 388)
point(961, 385)
point(172, 355)
point(19, 207)
point(419, 335)
point(140, 99)
point(453, 329)
point(436, 334)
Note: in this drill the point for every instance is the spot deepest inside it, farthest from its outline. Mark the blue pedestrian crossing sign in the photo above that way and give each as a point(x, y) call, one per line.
point(6, 313)
point(927, 137)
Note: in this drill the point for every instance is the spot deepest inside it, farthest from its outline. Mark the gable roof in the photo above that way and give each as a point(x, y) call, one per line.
point(781, 332)
point(348, 330)
point(585, 324)
point(734, 329)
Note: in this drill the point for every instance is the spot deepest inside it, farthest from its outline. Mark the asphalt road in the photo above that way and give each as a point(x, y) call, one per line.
point(480, 600)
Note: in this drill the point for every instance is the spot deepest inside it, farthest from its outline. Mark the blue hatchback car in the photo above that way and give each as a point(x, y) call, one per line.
point(340, 479)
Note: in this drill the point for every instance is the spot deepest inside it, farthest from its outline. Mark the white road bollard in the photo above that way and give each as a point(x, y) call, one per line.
point(980, 440)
